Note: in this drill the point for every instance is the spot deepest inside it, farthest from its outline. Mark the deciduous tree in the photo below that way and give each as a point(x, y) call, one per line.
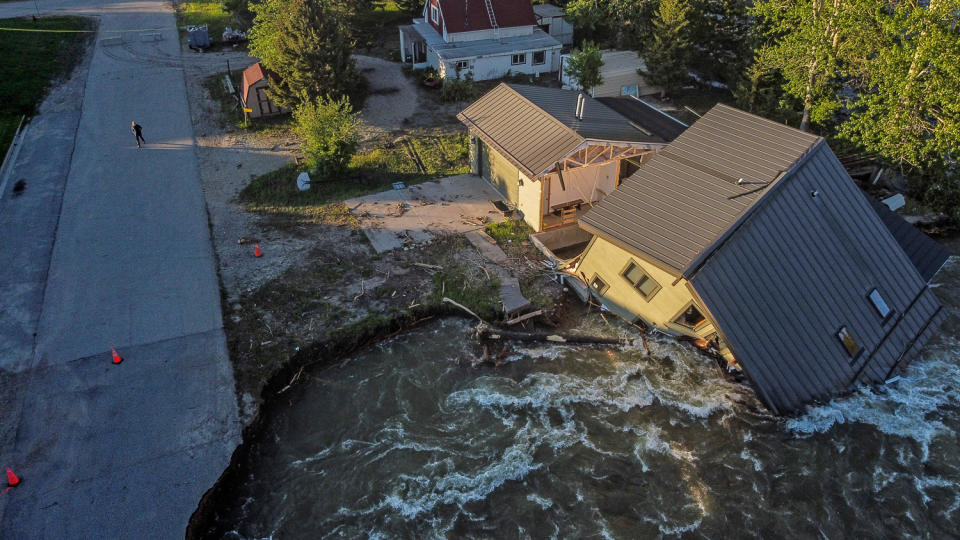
point(330, 130)
point(584, 66)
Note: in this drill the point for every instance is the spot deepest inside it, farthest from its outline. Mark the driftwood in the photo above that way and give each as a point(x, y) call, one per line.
point(524, 317)
point(461, 306)
point(430, 266)
point(486, 332)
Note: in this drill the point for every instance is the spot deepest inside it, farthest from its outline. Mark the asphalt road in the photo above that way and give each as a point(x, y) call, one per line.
point(109, 246)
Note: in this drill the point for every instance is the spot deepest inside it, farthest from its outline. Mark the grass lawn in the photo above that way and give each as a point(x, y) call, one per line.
point(376, 31)
point(370, 171)
point(208, 12)
point(31, 61)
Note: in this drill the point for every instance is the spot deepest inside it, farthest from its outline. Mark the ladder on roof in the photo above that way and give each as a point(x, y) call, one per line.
point(493, 19)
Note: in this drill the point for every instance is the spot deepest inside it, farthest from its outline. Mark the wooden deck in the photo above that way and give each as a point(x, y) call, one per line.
point(567, 216)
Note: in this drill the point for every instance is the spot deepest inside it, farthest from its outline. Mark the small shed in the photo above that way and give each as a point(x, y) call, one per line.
point(620, 76)
point(256, 81)
point(550, 20)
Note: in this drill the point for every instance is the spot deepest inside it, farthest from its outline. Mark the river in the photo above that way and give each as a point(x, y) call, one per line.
point(406, 440)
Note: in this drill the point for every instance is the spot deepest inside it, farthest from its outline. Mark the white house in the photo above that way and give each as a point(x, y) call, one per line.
point(485, 38)
point(550, 20)
point(620, 76)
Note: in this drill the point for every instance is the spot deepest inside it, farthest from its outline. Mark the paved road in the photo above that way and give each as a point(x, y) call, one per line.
point(110, 247)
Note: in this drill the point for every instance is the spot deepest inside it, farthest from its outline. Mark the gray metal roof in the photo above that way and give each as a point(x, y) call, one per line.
point(534, 127)
point(547, 10)
point(642, 113)
point(683, 202)
point(801, 267)
point(924, 252)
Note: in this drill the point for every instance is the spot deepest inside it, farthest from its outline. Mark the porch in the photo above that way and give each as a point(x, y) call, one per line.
point(564, 214)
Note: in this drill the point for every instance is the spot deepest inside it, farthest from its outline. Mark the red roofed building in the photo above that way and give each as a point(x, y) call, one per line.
point(483, 38)
point(256, 80)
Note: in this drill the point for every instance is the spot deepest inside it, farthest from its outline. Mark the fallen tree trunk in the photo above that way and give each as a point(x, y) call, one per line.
point(487, 332)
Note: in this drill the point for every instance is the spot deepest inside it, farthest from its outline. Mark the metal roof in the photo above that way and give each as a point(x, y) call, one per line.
point(547, 10)
point(534, 127)
point(635, 109)
point(687, 198)
point(798, 269)
point(456, 50)
point(924, 252)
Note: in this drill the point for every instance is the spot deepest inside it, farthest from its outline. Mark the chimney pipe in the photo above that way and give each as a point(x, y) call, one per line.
point(579, 111)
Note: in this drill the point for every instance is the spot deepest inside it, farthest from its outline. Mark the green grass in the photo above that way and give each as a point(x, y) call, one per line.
point(376, 31)
point(32, 61)
point(509, 231)
point(208, 12)
point(370, 171)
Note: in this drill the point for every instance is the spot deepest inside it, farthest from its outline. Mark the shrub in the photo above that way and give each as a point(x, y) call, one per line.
point(455, 90)
point(330, 130)
point(509, 231)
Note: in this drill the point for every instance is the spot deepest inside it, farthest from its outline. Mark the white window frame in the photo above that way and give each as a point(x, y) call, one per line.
point(435, 13)
point(522, 62)
point(465, 67)
point(533, 60)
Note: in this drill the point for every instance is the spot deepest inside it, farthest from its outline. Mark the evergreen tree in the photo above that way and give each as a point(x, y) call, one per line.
point(584, 65)
point(721, 32)
point(330, 130)
point(667, 56)
point(307, 44)
point(612, 23)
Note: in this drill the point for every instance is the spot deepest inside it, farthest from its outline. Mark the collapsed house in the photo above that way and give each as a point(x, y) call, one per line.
point(555, 153)
point(485, 39)
point(750, 236)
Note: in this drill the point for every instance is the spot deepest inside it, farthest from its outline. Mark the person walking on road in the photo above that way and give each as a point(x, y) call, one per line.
point(137, 130)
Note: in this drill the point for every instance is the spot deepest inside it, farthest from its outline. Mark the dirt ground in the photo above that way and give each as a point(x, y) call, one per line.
point(313, 279)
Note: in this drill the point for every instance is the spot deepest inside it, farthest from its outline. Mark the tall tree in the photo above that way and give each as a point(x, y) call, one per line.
point(807, 43)
point(584, 66)
point(667, 56)
point(307, 44)
point(611, 23)
point(908, 108)
point(720, 31)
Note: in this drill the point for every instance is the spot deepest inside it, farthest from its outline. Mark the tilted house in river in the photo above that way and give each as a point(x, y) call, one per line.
point(553, 153)
point(750, 235)
point(483, 38)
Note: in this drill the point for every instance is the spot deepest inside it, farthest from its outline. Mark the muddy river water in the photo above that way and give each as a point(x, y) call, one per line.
point(404, 441)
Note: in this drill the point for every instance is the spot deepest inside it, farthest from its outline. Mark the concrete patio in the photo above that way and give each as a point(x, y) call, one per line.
point(455, 204)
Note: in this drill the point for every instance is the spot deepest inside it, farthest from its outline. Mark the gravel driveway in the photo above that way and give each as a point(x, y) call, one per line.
point(393, 96)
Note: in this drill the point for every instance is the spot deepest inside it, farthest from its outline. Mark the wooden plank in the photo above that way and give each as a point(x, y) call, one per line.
point(521, 318)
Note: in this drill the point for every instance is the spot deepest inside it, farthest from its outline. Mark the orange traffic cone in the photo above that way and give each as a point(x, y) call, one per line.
point(256, 250)
point(12, 479)
point(116, 357)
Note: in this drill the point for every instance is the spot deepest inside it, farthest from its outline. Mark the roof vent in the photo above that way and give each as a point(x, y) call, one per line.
point(581, 101)
point(814, 193)
point(739, 181)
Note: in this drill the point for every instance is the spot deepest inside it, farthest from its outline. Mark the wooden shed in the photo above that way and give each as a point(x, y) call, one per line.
point(256, 81)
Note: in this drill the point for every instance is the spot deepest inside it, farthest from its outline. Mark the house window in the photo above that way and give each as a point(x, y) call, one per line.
point(879, 304)
point(850, 344)
point(641, 281)
point(518, 59)
point(462, 65)
point(631, 90)
point(598, 285)
point(434, 13)
point(539, 58)
point(690, 317)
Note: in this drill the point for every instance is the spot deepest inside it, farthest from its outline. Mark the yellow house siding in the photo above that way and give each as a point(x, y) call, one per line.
point(530, 195)
point(608, 261)
point(500, 172)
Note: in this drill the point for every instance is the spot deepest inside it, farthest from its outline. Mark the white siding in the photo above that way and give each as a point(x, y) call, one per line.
point(492, 67)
